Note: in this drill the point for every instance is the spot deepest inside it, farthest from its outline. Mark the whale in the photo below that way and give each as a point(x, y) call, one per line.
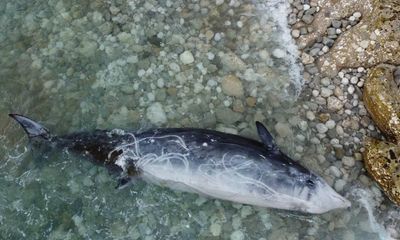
point(210, 163)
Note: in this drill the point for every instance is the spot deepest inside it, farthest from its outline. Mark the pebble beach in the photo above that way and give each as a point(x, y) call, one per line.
point(82, 65)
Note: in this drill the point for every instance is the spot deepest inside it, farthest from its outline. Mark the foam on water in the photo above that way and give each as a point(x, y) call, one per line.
point(365, 198)
point(279, 10)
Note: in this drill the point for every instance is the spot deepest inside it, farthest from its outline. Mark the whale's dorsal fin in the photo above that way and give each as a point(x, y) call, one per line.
point(266, 137)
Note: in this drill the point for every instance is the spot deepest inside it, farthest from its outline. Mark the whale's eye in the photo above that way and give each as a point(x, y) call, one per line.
point(310, 183)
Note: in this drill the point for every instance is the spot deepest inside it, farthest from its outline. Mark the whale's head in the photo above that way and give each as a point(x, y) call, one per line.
point(321, 197)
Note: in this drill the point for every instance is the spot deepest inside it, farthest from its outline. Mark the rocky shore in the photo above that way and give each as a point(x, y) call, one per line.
point(339, 42)
point(211, 64)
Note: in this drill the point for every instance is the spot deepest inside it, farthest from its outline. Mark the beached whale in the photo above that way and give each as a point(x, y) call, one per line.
point(210, 163)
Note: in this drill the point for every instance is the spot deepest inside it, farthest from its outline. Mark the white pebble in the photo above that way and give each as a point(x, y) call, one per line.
point(217, 37)
point(219, 2)
point(306, 7)
point(352, 18)
point(326, 92)
point(141, 72)
point(237, 235)
point(186, 57)
point(345, 81)
point(360, 69)
point(239, 24)
point(155, 113)
point(321, 128)
point(315, 93)
point(278, 53)
point(335, 171)
point(210, 56)
point(354, 80)
point(339, 185)
point(330, 124)
point(310, 115)
point(357, 14)
point(348, 161)
point(350, 89)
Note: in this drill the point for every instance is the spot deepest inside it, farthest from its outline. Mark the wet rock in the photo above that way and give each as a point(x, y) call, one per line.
point(278, 53)
point(377, 37)
point(348, 161)
point(227, 116)
point(306, 58)
point(232, 86)
point(334, 104)
point(186, 57)
point(155, 113)
point(283, 129)
point(232, 62)
point(237, 235)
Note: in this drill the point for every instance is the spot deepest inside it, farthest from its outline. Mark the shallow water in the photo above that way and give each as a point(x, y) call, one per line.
point(80, 65)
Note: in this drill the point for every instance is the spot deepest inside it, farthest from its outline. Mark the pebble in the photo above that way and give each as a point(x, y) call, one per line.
point(237, 235)
point(227, 115)
point(321, 128)
point(335, 171)
point(351, 89)
point(334, 104)
point(330, 124)
point(339, 185)
point(232, 86)
point(307, 18)
point(283, 129)
point(315, 93)
point(215, 229)
point(219, 2)
point(336, 23)
point(155, 113)
point(326, 92)
point(325, 81)
point(306, 58)
point(278, 53)
point(186, 57)
point(246, 211)
point(339, 130)
point(357, 14)
point(353, 80)
point(295, 33)
point(348, 161)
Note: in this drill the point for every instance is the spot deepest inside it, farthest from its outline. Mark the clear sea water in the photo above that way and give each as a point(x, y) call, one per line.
point(80, 65)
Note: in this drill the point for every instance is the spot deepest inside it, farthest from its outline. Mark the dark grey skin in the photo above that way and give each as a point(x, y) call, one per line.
point(206, 162)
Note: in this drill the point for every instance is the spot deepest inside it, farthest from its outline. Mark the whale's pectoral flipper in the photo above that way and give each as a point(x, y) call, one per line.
point(32, 128)
point(123, 182)
point(266, 137)
point(129, 176)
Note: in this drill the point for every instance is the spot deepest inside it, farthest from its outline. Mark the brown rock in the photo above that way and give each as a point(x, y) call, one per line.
point(232, 86)
point(251, 101)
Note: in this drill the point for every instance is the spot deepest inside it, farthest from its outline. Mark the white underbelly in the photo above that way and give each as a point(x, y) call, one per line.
point(222, 185)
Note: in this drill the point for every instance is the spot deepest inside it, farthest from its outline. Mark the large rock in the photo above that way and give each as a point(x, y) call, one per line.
point(381, 158)
point(375, 39)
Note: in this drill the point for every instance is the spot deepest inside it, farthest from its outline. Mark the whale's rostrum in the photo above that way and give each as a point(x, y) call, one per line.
point(206, 162)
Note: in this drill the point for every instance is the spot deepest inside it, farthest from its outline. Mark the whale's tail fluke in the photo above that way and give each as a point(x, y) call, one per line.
point(32, 128)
